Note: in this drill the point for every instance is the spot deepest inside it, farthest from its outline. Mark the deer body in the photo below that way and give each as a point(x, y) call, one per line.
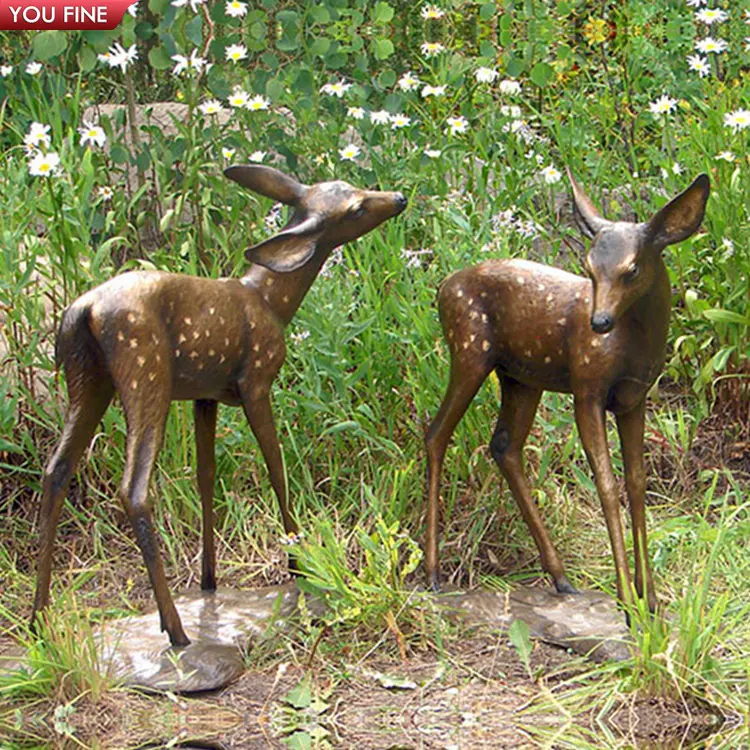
point(155, 337)
point(603, 339)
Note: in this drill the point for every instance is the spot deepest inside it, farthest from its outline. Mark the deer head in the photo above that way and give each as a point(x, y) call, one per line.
point(324, 215)
point(625, 257)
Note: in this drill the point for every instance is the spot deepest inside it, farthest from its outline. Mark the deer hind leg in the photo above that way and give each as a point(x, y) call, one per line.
point(146, 414)
point(519, 404)
point(467, 376)
point(90, 390)
point(205, 436)
point(630, 426)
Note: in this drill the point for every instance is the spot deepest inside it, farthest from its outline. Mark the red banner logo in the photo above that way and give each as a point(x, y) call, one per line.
point(63, 15)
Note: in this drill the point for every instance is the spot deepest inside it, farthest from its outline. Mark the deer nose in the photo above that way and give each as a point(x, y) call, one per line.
point(400, 200)
point(602, 322)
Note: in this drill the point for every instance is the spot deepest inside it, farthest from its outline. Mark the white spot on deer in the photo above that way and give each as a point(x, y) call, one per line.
point(466, 344)
point(211, 352)
point(158, 357)
point(211, 310)
point(459, 293)
point(559, 351)
point(595, 343)
point(133, 343)
point(256, 347)
point(473, 337)
point(578, 295)
point(521, 281)
point(141, 361)
point(258, 363)
point(222, 359)
point(269, 281)
point(485, 345)
point(221, 320)
point(200, 365)
point(133, 385)
point(549, 299)
point(188, 321)
point(473, 315)
point(155, 339)
point(470, 302)
point(176, 352)
point(541, 287)
point(193, 354)
point(152, 377)
point(484, 317)
point(450, 335)
point(561, 321)
point(120, 336)
point(587, 300)
point(182, 337)
point(131, 318)
point(252, 324)
point(483, 294)
point(527, 354)
point(226, 341)
point(547, 360)
point(206, 333)
point(196, 335)
point(285, 298)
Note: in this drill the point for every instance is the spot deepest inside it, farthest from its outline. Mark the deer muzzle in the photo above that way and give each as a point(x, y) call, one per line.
point(602, 322)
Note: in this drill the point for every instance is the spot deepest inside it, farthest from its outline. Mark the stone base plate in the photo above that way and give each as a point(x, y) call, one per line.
point(219, 624)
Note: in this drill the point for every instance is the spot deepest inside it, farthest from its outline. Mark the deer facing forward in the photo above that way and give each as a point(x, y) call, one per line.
point(156, 337)
point(603, 339)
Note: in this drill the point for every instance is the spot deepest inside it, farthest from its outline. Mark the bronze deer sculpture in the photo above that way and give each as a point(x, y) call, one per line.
point(603, 339)
point(157, 337)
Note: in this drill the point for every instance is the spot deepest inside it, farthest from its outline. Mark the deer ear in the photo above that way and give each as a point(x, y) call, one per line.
point(681, 217)
point(267, 181)
point(290, 249)
point(587, 218)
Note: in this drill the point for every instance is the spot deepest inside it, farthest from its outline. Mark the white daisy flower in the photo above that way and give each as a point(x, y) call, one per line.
point(211, 107)
point(119, 57)
point(5, 70)
point(551, 175)
point(235, 52)
point(257, 156)
point(106, 193)
point(235, 9)
point(408, 82)
point(257, 103)
point(432, 12)
point(711, 15)
point(38, 136)
point(227, 153)
point(432, 153)
point(696, 3)
point(336, 89)
point(238, 98)
point(663, 105)
point(699, 65)
point(33, 68)
point(357, 113)
point(457, 124)
point(737, 120)
point(92, 133)
point(433, 91)
point(194, 62)
point(381, 117)
point(350, 152)
point(509, 87)
point(709, 44)
point(431, 49)
point(400, 121)
point(486, 75)
point(725, 156)
point(45, 165)
point(133, 9)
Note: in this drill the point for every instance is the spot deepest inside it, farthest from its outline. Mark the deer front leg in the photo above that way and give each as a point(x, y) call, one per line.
point(592, 428)
point(630, 426)
point(205, 436)
point(257, 404)
point(519, 404)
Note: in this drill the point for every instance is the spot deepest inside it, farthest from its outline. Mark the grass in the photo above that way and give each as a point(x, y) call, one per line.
point(355, 396)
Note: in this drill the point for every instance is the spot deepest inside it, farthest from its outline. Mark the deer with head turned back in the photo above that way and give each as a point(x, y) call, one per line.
point(603, 339)
point(154, 337)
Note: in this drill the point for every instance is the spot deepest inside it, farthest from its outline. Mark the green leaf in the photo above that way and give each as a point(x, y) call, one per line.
point(487, 11)
point(514, 66)
point(320, 46)
point(320, 14)
point(387, 78)
point(86, 59)
point(300, 696)
point(274, 89)
point(381, 13)
point(194, 30)
point(159, 58)
point(119, 154)
point(542, 73)
point(157, 7)
point(49, 44)
point(144, 30)
point(518, 634)
point(718, 315)
point(382, 48)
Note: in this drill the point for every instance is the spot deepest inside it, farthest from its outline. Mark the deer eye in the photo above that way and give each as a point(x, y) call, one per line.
point(632, 272)
point(355, 213)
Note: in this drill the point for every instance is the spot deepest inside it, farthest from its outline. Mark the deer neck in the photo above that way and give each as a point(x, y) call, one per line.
point(650, 315)
point(284, 292)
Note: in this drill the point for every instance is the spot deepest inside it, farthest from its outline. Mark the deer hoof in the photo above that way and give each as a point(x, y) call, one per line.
point(564, 586)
